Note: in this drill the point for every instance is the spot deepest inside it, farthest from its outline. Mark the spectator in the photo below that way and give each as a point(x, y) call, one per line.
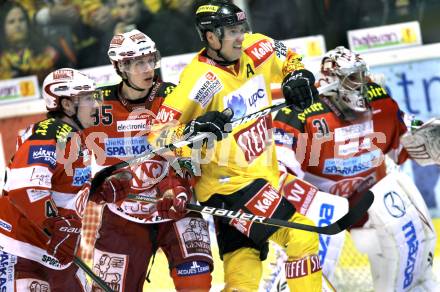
point(132, 14)
point(22, 51)
point(179, 39)
point(430, 21)
point(274, 20)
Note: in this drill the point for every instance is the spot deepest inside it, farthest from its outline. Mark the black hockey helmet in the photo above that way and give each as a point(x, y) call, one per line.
point(216, 14)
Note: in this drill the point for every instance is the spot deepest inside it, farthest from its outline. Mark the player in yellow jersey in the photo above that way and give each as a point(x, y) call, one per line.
point(234, 71)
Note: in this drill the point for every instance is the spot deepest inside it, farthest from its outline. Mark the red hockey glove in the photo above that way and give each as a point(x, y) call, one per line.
point(115, 188)
point(65, 237)
point(172, 205)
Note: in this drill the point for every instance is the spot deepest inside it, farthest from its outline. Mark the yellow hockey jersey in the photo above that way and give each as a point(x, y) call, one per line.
point(248, 153)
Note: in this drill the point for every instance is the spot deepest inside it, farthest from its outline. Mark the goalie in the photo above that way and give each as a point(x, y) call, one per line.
point(338, 144)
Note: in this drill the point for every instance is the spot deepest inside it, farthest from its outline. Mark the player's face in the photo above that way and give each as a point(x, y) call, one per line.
point(87, 105)
point(232, 41)
point(140, 71)
point(15, 26)
point(128, 10)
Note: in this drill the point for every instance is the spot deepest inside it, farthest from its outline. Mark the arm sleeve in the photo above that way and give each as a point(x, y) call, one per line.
point(30, 181)
point(179, 107)
point(287, 130)
point(285, 61)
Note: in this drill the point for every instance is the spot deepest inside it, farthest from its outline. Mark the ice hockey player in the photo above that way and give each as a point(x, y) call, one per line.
point(234, 71)
point(131, 231)
point(338, 144)
point(46, 189)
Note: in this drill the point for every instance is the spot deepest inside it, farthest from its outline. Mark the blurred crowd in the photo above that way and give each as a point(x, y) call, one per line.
point(38, 36)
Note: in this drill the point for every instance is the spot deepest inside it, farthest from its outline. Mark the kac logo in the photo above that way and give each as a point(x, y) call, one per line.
point(394, 204)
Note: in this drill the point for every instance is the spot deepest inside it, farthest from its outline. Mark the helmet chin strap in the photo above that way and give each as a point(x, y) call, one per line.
point(129, 84)
point(225, 61)
point(126, 81)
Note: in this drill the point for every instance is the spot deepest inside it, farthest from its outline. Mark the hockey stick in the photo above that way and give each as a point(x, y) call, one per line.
point(103, 285)
point(353, 215)
point(100, 176)
point(82, 265)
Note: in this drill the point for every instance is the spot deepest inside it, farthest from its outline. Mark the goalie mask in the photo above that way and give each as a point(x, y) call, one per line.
point(350, 70)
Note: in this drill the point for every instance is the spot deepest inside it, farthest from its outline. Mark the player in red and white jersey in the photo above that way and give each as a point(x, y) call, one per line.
point(346, 132)
point(46, 188)
point(131, 231)
point(338, 144)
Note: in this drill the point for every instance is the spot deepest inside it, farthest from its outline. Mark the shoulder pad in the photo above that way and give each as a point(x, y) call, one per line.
point(375, 92)
point(315, 109)
point(52, 129)
point(110, 92)
point(289, 117)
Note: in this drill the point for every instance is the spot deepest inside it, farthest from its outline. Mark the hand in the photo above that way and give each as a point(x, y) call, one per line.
point(65, 237)
point(210, 122)
point(115, 188)
point(299, 89)
point(172, 205)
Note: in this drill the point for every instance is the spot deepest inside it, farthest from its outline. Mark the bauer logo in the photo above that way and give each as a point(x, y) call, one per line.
point(44, 154)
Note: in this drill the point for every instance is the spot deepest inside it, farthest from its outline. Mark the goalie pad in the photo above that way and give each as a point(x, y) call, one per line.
point(423, 144)
point(399, 236)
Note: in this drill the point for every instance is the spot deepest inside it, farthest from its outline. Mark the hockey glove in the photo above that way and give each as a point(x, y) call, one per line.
point(299, 89)
point(172, 205)
point(115, 188)
point(211, 122)
point(65, 237)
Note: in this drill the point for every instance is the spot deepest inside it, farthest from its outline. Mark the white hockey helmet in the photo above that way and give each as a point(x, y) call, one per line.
point(67, 83)
point(350, 70)
point(133, 52)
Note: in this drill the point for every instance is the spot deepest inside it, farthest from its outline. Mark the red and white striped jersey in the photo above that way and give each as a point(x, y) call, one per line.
point(48, 176)
point(338, 156)
point(120, 134)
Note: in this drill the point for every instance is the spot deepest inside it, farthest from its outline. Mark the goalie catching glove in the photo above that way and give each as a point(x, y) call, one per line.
point(299, 89)
point(423, 142)
point(65, 237)
point(172, 205)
